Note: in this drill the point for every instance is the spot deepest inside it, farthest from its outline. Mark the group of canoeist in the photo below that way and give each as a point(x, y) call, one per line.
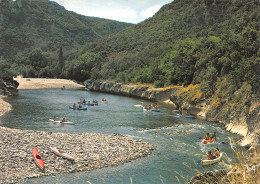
point(151, 106)
point(75, 106)
point(211, 138)
point(62, 120)
point(211, 157)
point(83, 101)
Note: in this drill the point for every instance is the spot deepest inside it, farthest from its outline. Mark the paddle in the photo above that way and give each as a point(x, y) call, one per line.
point(199, 162)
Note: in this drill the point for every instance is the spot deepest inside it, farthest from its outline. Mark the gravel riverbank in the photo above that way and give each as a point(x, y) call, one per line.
point(90, 150)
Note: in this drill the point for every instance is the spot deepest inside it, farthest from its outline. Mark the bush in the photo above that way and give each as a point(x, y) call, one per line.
point(158, 84)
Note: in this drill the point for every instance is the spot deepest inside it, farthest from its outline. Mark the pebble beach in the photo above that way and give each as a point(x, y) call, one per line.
point(90, 151)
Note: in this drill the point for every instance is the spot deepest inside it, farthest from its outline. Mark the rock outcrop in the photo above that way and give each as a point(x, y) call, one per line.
point(8, 87)
point(129, 90)
point(212, 177)
point(238, 111)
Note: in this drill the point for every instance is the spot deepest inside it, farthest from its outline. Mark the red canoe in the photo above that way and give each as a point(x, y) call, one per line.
point(208, 141)
point(38, 159)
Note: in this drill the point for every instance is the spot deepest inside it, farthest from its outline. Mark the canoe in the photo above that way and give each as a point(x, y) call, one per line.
point(208, 141)
point(61, 153)
point(208, 162)
point(90, 104)
point(78, 108)
point(67, 122)
point(55, 121)
point(139, 105)
point(155, 110)
point(182, 116)
point(38, 159)
point(151, 110)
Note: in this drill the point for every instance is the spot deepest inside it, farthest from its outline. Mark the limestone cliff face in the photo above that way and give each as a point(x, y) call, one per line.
point(8, 87)
point(238, 111)
point(128, 90)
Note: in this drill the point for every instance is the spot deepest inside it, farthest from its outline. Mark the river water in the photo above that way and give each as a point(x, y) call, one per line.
point(177, 140)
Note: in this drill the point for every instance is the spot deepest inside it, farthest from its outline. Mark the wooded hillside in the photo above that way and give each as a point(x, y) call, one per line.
point(33, 31)
point(186, 42)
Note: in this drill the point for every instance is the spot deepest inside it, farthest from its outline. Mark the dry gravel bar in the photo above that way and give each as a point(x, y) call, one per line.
point(90, 150)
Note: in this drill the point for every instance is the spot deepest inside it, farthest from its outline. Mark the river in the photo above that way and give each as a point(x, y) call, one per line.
point(177, 140)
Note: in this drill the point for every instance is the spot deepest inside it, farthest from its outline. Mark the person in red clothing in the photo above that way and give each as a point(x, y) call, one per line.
point(217, 152)
point(209, 155)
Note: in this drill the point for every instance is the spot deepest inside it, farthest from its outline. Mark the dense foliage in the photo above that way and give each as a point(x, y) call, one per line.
point(32, 32)
point(185, 42)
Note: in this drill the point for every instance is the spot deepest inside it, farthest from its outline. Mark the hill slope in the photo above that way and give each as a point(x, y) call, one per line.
point(45, 24)
point(186, 41)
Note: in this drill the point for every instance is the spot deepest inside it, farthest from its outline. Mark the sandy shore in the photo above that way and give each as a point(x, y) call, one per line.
point(41, 83)
point(90, 150)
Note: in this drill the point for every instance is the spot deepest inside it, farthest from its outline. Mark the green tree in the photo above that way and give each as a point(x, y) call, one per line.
point(60, 60)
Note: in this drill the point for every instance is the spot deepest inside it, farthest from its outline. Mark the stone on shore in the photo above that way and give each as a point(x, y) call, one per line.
point(90, 150)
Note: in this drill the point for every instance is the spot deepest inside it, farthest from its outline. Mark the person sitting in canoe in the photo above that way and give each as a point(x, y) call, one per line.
point(207, 137)
point(217, 153)
point(213, 136)
point(74, 106)
point(63, 120)
point(209, 155)
point(84, 101)
point(145, 107)
point(80, 106)
point(60, 151)
point(180, 112)
point(55, 118)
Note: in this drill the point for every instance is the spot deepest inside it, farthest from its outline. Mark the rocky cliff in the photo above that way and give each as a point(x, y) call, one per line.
point(238, 109)
point(8, 87)
point(129, 90)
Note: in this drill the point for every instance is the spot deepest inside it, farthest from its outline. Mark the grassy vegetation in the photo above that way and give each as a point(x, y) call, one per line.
point(245, 169)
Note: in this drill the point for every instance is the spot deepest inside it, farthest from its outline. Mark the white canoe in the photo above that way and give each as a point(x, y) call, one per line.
point(56, 121)
point(139, 105)
point(67, 122)
point(208, 162)
point(61, 153)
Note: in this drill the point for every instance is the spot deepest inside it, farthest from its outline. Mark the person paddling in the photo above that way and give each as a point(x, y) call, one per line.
point(213, 136)
point(207, 137)
point(63, 120)
point(217, 153)
point(54, 118)
point(209, 155)
point(145, 107)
